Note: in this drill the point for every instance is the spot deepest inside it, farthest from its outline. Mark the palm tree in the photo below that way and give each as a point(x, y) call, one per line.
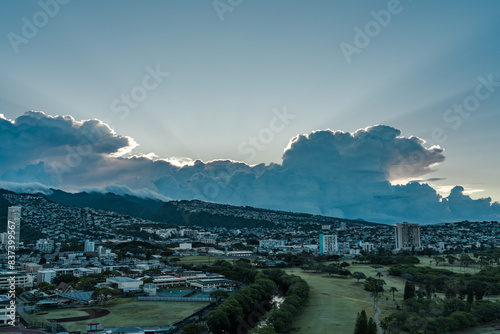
point(393, 289)
point(379, 274)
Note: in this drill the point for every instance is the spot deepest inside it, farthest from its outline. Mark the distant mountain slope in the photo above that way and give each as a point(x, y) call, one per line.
point(195, 212)
point(172, 212)
point(127, 205)
point(192, 212)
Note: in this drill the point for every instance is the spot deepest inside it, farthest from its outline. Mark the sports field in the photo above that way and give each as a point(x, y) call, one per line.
point(125, 312)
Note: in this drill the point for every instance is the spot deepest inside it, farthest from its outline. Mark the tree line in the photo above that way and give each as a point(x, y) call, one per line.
point(462, 306)
point(272, 298)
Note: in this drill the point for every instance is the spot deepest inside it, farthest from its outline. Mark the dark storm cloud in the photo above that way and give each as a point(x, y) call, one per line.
point(325, 172)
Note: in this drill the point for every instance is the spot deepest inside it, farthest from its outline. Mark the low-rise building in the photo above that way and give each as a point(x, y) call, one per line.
point(271, 243)
point(21, 279)
point(124, 283)
point(5, 310)
point(211, 284)
point(31, 267)
point(150, 289)
point(46, 275)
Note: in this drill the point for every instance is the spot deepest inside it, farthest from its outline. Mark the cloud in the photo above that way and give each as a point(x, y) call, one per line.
point(354, 175)
point(26, 187)
point(35, 137)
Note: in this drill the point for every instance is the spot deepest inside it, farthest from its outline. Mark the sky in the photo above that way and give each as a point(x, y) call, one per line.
point(381, 110)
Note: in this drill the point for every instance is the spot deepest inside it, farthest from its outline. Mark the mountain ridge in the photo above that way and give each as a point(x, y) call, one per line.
point(189, 212)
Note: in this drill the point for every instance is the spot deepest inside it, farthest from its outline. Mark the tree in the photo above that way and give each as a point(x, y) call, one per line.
point(19, 290)
point(372, 327)
point(470, 296)
point(344, 264)
point(219, 295)
point(379, 274)
point(193, 329)
point(393, 289)
point(331, 269)
point(451, 260)
point(104, 294)
point(409, 290)
point(358, 275)
point(372, 284)
point(66, 278)
point(86, 284)
point(344, 272)
point(361, 323)
point(44, 286)
point(262, 330)
point(438, 259)
point(218, 321)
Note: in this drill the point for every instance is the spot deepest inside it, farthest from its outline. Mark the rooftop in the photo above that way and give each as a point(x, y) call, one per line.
point(123, 279)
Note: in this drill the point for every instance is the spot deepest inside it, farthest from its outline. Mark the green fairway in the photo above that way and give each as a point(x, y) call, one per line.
point(331, 307)
point(430, 262)
point(335, 301)
point(126, 312)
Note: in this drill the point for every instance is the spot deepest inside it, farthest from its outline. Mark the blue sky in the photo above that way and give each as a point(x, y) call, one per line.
point(229, 79)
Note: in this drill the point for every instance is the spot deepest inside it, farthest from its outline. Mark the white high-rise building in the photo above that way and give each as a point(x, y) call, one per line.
point(4, 238)
point(328, 244)
point(46, 275)
point(89, 246)
point(45, 245)
point(368, 247)
point(407, 236)
point(14, 217)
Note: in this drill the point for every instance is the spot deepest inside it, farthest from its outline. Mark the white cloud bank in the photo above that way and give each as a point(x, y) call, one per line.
point(325, 172)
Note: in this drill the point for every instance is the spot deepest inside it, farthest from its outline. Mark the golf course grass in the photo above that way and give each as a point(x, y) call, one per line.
point(332, 306)
point(334, 301)
point(426, 261)
point(125, 312)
